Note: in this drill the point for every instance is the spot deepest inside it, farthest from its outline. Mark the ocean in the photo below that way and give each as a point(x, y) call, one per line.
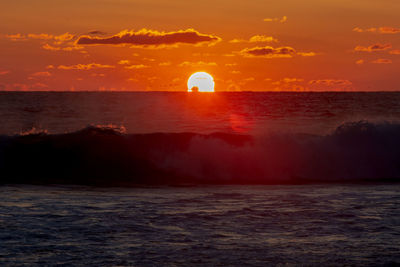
point(181, 179)
point(176, 112)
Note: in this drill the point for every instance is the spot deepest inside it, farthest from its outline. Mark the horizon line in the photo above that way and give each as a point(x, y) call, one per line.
point(161, 91)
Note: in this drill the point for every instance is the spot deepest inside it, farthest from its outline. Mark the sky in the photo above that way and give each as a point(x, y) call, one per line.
point(155, 45)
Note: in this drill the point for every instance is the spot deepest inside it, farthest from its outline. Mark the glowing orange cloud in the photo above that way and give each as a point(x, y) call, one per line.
point(16, 37)
point(331, 82)
point(57, 48)
point(85, 66)
point(373, 48)
point(58, 41)
point(138, 66)
point(288, 80)
point(307, 54)
point(382, 61)
point(165, 64)
point(146, 37)
point(124, 62)
point(281, 20)
point(389, 30)
point(256, 39)
point(41, 36)
point(270, 52)
point(197, 64)
point(41, 74)
point(384, 30)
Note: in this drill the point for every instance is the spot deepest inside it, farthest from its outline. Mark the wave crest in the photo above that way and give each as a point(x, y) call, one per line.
point(106, 155)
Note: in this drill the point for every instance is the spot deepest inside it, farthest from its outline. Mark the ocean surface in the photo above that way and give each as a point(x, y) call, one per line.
point(175, 112)
point(180, 179)
point(312, 225)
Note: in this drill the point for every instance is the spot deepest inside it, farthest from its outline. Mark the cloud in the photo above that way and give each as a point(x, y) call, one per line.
point(164, 64)
point(373, 48)
point(41, 36)
point(231, 64)
point(124, 62)
point(244, 81)
point(4, 72)
point(64, 37)
point(389, 30)
point(97, 33)
point(383, 30)
point(281, 20)
point(288, 80)
point(360, 62)
point(41, 74)
point(85, 66)
point(357, 29)
point(62, 42)
point(395, 52)
point(138, 66)
point(255, 39)
point(57, 48)
point(262, 38)
point(331, 82)
point(268, 52)
point(197, 64)
point(16, 37)
point(97, 75)
point(57, 38)
point(235, 41)
point(151, 38)
point(307, 54)
point(382, 61)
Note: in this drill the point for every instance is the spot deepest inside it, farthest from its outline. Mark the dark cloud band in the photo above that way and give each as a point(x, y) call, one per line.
point(147, 37)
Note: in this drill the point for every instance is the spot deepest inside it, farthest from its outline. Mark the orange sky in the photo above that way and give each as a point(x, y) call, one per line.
point(156, 44)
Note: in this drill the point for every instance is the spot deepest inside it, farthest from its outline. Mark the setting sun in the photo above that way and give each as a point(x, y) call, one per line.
point(201, 82)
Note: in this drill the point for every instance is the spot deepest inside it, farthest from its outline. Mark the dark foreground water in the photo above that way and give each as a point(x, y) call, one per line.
point(205, 226)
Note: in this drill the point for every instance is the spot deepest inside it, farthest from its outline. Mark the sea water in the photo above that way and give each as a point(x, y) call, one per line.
point(168, 178)
point(313, 225)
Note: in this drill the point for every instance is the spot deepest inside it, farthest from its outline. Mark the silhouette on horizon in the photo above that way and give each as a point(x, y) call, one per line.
point(195, 89)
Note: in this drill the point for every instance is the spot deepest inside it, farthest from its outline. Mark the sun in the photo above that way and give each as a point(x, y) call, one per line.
point(201, 82)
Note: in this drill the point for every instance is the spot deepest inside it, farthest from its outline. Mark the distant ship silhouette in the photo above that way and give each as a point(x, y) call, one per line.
point(195, 89)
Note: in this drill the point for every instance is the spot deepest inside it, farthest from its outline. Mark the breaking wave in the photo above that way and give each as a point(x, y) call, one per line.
point(106, 156)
